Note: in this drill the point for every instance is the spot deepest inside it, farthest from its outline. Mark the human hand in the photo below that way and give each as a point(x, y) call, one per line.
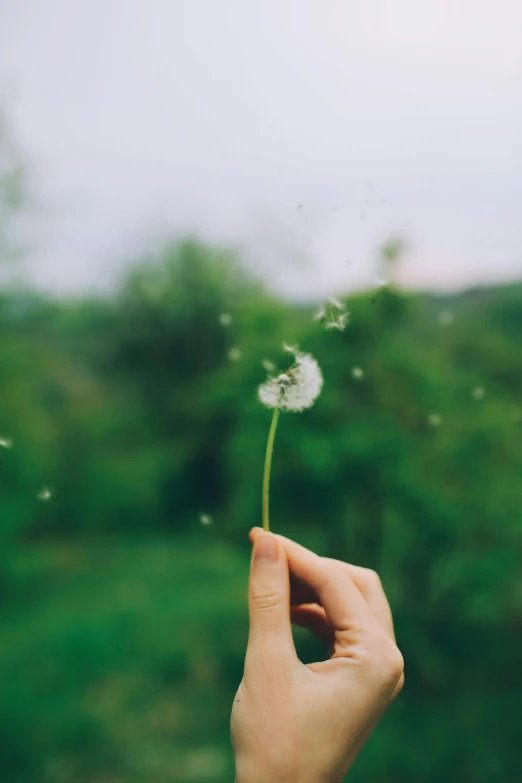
point(293, 723)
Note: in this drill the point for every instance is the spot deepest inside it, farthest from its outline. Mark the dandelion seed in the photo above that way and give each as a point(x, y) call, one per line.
point(297, 388)
point(338, 323)
point(479, 393)
point(6, 443)
point(446, 317)
point(225, 319)
point(44, 494)
point(333, 315)
point(320, 315)
point(291, 348)
point(357, 373)
point(205, 519)
point(235, 354)
point(434, 420)
point(268, 365)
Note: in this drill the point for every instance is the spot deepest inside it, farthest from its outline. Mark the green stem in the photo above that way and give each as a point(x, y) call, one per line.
point(268, 465)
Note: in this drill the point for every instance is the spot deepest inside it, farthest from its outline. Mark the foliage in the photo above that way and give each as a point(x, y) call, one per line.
point(123, 620)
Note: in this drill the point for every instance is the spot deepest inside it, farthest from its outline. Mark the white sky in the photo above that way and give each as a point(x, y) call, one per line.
point(305, 131)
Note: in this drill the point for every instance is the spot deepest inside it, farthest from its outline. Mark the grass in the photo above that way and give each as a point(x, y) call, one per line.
point(120, 662)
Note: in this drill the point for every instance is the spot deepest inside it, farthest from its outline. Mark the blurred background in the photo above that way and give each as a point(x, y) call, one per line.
point(181, 186)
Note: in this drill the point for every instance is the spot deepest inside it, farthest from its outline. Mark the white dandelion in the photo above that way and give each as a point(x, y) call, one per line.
point(6, 443)
point(225, 319)
point(296, 389)
point(205, 519)
point(357, 373)
point(44, 494)
point(478, 393)
point(446, 317)
point(434, 420)
point(235, 354)
point(293, 390)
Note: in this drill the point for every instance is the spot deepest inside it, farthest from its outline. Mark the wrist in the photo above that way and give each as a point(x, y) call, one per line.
point(259, 773)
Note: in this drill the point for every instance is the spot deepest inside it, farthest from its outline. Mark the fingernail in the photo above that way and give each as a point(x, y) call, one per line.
point(265, 548)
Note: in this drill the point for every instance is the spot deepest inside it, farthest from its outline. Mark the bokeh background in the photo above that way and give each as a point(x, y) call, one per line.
point(181, 185)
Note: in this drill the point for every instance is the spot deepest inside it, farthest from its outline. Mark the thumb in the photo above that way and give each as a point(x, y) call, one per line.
point(270, 638)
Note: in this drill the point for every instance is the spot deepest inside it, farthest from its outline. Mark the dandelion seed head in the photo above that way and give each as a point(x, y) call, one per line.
point(44, 494)
point(446, 317)
point(357, 373)
point(6, 443)
point(434, 420)
point(297, 388)
point(205, 519)
point(225, 319)
point(235, 354)
point(479, 393)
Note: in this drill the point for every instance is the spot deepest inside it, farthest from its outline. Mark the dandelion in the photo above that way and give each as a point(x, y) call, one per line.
point(225, 319)
point(235, 354)
point(478, 393)
point(205, 519)
point(293, 390)
point(357, 373)
point(446, 317)
point(333, 315)
point(434, 420)
point(6, 443)
point(44, 494)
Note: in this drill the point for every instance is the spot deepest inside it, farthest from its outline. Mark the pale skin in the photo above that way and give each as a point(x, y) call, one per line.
point(296, 723)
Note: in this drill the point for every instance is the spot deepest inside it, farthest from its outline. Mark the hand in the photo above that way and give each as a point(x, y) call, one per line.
point(293, 723)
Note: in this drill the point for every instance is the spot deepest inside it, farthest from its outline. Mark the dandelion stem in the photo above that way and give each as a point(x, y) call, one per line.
point(268, 465)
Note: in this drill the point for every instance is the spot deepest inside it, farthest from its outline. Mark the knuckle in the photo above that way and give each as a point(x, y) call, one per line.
point(392, 664)
point(372, 579)
point(386, 658)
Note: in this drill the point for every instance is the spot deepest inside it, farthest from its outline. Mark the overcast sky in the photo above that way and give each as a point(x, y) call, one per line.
point(304, 131)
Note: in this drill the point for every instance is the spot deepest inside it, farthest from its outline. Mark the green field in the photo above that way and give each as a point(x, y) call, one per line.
point(123, 619)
